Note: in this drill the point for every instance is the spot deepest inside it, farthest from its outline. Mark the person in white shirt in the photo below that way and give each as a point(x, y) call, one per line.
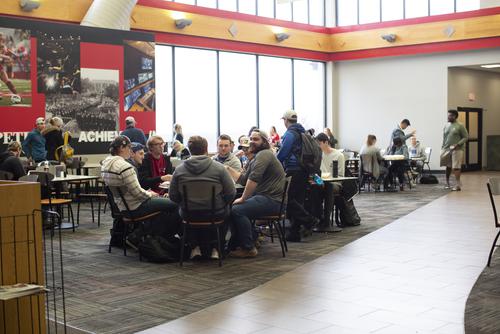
point(323, 197)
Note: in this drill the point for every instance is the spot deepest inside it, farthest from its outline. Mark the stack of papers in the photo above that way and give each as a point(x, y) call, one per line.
point(19, 290)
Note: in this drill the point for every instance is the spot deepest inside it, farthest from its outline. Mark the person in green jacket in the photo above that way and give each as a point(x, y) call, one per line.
point(452, 152)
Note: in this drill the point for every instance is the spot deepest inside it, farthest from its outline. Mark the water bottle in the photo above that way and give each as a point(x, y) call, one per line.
point(335, 168)
point(318, 180)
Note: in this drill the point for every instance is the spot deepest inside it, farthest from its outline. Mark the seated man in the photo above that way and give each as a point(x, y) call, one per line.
point(264, 181)
point(224, 153)
point(156, 166)
point(397, 167)
point(326, 193)
point(10, 162)
point(117, 172)
point(417, 155)
point(201, 167)
point(136, 155)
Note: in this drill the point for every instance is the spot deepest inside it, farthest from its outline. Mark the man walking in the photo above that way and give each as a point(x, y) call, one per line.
point(452, 152)
point(133, 133)
point(288, 155)
point(34, 144)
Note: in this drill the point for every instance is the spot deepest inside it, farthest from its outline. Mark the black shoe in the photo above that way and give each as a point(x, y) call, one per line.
point(292, 236)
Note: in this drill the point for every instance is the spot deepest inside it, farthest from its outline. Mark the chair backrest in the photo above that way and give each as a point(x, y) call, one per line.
point(115, 211)
point(29, 178)
point(45, 185)
point(428, 151)
point(201, 196)
point(284, 198)
point(494, 190)
point(4, 175)
point(367, 161)
point(118, 190)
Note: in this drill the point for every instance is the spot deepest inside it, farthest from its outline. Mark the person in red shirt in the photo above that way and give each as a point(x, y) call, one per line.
point(274, 136)
point(156, 166)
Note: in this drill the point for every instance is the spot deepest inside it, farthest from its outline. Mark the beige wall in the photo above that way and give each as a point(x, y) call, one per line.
point(486, 88)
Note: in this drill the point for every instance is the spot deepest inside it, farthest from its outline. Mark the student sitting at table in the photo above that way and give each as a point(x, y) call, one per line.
point(156, 166)
point(224, 153)
point(179, 151)
point(397, 167)
point(325, 194)
point(371, 160)
point(417, 155)
point(9, 160)
point(136, 155)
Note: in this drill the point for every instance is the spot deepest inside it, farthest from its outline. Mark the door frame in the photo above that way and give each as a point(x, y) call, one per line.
point(479, 140)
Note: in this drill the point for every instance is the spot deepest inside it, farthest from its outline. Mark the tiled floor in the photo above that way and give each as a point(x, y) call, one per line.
point(412, 276)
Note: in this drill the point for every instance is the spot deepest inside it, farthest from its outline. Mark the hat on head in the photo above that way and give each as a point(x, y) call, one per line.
point(130, 120)
point(40, 120)
point(290, 115)
point(244, 142)
point(137, 147)
point(262, 133)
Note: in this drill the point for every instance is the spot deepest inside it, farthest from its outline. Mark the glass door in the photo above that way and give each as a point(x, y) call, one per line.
point(472, 119)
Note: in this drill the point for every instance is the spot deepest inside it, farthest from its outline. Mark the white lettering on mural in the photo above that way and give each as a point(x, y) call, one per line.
point(7, 137)
point(97, 136)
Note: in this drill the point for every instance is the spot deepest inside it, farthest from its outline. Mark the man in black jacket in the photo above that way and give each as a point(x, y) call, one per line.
point(133, 133)
point(10, 162)
point(156, 166)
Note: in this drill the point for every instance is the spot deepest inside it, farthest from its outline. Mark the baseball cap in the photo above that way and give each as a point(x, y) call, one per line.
point(129, 120)
point(40, 120)
point(290, 115)
point(136, 147)
point(244, 142)
point(120, 141)
point(262, 133)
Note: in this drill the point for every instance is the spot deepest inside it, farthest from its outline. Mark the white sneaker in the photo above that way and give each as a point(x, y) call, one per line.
point(215, 254)
point(195, 253)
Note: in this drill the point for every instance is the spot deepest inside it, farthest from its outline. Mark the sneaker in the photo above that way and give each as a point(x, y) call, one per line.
point(456, 188)
point(215, 254)
point(244, 253)
point(401, 187)
point(447, 186)
point(195, 253)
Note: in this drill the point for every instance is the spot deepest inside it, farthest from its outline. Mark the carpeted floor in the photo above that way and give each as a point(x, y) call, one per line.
point(482, 314)
point(110, 293)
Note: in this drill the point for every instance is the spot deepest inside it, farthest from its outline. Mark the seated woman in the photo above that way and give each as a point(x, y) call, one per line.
point(371, 160)
point(179, 151)
point(397, 167)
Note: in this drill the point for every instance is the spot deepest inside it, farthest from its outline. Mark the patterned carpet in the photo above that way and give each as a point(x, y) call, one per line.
point(110, 293)
point(482, 314)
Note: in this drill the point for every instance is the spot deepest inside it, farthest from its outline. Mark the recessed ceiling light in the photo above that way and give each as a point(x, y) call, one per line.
point(491, 66)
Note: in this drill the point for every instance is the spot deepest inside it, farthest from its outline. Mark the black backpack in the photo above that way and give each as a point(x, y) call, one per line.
point(309, 153)
point(159, 250)
point(428, 179)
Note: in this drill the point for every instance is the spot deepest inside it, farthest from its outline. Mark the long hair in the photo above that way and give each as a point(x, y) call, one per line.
point(371, 140)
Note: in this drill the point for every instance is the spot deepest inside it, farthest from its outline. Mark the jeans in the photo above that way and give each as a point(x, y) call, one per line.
point(242, 214)
point(296, 197)
point(167, 222)
point(322, 200)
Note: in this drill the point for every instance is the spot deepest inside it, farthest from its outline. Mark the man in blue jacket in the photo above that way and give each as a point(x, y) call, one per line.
point(290, 148)
point(34, 143)
point(134, 134)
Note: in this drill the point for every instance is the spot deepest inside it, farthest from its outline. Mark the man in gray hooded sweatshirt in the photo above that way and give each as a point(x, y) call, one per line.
point(199, 167)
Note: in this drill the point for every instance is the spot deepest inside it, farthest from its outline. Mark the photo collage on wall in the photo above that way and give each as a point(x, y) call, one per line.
point(139, 82)
point(15, 67)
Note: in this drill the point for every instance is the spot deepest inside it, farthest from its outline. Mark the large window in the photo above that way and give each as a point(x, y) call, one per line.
point(300, 11)
point(275, 91)
point(351, 12)
point(317, 12)
point(238, 93)
point(214, 92)
point(196, 93)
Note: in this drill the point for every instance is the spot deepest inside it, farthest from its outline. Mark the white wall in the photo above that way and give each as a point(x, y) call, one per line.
point(374, 95)
point(486, 88)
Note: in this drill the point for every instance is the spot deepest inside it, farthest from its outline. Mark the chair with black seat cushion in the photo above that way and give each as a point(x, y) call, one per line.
point(277, 221)
point(127, 216)
point(199, 211)
point(4, 175)
point(45, 179)
point(494, 190)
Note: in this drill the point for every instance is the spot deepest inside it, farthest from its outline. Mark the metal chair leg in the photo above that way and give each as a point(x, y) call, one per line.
point(493, 248)
point(183, 240)
point(280, 236)
point(219, 248)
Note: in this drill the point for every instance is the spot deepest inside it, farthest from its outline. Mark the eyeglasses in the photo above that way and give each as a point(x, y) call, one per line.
point(154, 144)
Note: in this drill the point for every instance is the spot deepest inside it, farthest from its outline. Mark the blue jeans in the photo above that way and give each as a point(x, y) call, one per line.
point(242, 214)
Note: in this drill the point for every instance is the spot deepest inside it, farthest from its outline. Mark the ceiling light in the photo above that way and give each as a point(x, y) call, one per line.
point(182, 23)
point(491, 66)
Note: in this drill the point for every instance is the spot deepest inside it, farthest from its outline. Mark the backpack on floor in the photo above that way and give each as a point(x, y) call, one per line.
point(158, 249)
point(428, 179)
point(347, 212)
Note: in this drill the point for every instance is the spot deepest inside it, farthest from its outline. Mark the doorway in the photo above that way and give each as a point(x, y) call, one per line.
point(472, 119)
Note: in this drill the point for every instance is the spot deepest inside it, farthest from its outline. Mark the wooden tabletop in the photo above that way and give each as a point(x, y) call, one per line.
point(71, 177)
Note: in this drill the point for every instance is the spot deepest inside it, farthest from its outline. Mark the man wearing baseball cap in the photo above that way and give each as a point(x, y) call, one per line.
point(34, 143)
point(288, 156)
point(134, 134)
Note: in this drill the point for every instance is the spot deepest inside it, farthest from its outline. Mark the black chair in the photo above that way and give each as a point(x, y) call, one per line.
point(366, 177)
point(494, 190)
point(277, 221)
point(197, 195)
point(127, 216)
point(45, 179)
point(4, 175)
